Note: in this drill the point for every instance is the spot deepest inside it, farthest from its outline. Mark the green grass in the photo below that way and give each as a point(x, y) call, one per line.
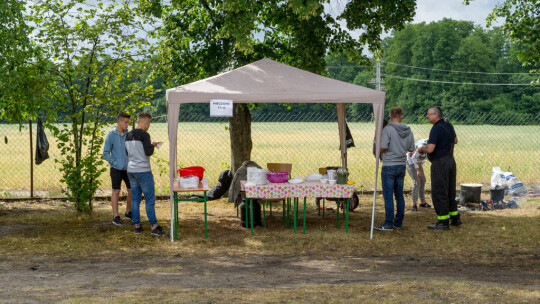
point(307, 146)
point(57, 229)
point(430, 291)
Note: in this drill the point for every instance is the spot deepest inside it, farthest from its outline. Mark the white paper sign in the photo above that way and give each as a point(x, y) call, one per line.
point(221, 108)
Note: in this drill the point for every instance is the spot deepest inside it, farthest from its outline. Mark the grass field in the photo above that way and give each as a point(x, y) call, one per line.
point(307, 146)
point(51, 253)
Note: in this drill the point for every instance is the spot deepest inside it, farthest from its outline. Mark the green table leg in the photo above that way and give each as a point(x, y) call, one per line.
point(264, 213)
point(337, 215)
point(247, 216)
point(270, 209)
point(347, 218)
point(283, 211)
point(205, 220)
point(251, 211)
point(323, 206)
point(288, 212)
point(295, 215)
point(318, 207)
point(304, 231)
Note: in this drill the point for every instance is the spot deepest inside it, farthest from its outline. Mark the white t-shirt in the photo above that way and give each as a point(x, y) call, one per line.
point(415, 158)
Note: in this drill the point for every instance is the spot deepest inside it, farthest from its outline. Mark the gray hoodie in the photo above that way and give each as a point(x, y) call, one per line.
point(114, 150)
point(397, 138)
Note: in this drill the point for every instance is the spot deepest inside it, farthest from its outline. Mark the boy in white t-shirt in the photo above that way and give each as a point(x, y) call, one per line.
point(415, 160)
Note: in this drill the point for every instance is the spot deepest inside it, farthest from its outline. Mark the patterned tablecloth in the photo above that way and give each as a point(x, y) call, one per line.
point(305, 189)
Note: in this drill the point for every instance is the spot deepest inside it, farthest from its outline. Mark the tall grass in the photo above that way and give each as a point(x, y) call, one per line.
point(307, 145)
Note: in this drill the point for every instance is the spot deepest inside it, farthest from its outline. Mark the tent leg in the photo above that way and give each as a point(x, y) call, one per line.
point(374, 197)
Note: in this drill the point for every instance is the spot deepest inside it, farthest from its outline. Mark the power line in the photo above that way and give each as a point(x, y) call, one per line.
point(454, 82)
point(452, 71)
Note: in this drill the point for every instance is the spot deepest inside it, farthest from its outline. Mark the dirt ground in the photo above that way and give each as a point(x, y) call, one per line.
point(111, 273)
point(44, 279)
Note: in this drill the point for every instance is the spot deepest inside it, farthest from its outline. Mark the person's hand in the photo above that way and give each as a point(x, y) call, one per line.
point(422, 150)
point(155, 143)
point(419, 174)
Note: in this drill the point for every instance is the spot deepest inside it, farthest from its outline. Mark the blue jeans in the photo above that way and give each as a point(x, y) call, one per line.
point(392, 183)
point(142, 182)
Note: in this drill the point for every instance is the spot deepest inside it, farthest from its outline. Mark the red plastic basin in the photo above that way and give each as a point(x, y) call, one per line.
point(195, 170)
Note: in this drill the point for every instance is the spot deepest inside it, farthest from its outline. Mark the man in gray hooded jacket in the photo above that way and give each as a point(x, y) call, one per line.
point(397, 139)
point(114, 152)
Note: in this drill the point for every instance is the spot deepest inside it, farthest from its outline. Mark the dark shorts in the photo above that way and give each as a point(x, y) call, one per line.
point(117, 176)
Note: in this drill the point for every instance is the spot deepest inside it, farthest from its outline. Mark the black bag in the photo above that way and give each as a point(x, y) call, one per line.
point(246, 222)
point(353, 203)
point(217, 192)
point(42, 144)
point(224, 182)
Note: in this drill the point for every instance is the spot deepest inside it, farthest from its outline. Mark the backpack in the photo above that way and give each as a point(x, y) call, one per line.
point(353, 203)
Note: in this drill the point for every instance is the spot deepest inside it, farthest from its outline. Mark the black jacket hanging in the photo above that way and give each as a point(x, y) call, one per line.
point(42, 144)
point(348, 137)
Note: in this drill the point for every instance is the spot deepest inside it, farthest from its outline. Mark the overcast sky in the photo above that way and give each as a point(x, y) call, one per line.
point(434, 10)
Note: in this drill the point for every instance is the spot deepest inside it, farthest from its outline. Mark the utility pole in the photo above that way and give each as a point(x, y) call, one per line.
point(378, 76)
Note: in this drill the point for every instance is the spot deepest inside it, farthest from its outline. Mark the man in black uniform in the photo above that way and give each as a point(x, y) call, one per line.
point(440, 149)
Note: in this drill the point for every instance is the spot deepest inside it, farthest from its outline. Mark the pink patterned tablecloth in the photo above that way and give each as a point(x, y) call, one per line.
point(305, 189)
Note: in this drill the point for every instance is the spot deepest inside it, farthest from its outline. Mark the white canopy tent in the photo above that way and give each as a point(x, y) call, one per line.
point(268, 81)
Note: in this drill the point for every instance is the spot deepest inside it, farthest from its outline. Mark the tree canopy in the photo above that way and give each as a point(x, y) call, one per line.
point(522, 25)
point(457, 65)
point(201, 38)
point(19, 80)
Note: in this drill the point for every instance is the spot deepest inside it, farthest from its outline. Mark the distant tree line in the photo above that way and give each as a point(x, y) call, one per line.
point(455, 64)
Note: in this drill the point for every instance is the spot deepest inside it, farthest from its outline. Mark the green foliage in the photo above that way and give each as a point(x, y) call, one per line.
point(93, 65)
point(163, 165)
point(442, 49)
point(523, 26)
point(203, 38)
point(19, 80)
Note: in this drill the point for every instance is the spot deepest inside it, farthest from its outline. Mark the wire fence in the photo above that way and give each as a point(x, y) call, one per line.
point(307, 140)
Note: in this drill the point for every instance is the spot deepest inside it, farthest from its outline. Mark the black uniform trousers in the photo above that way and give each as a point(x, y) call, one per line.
point(443, 186)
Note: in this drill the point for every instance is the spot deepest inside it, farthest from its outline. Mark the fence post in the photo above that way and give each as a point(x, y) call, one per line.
point(31, 162)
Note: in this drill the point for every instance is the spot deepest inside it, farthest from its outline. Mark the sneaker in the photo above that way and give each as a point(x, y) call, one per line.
point(138, 229)
point(157, 231)
point(414, 208)
point(425, 205)
point(127, 215)
point(117, 221)
point(397, 227)
point(440, 225)
point(383, 228)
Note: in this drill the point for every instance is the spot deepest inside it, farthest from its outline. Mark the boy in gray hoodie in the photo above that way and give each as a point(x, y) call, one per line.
point(396, 140)
point(114, 151)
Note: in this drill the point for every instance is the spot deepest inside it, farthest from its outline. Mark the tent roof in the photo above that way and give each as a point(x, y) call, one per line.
point(268, 81)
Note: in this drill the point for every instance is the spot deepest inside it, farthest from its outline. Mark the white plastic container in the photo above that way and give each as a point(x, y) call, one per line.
point(257, 176)
point(189, 182)
point(332, 175)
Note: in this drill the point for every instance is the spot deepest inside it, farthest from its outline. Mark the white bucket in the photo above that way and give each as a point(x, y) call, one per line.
point(331, 174)
point(256, 175)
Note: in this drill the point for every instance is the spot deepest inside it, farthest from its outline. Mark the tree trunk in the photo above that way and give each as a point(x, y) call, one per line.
point(240, 132)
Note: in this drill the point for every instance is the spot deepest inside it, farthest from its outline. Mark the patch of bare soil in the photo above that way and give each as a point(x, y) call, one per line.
point(38, 280)
point(5, 230)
